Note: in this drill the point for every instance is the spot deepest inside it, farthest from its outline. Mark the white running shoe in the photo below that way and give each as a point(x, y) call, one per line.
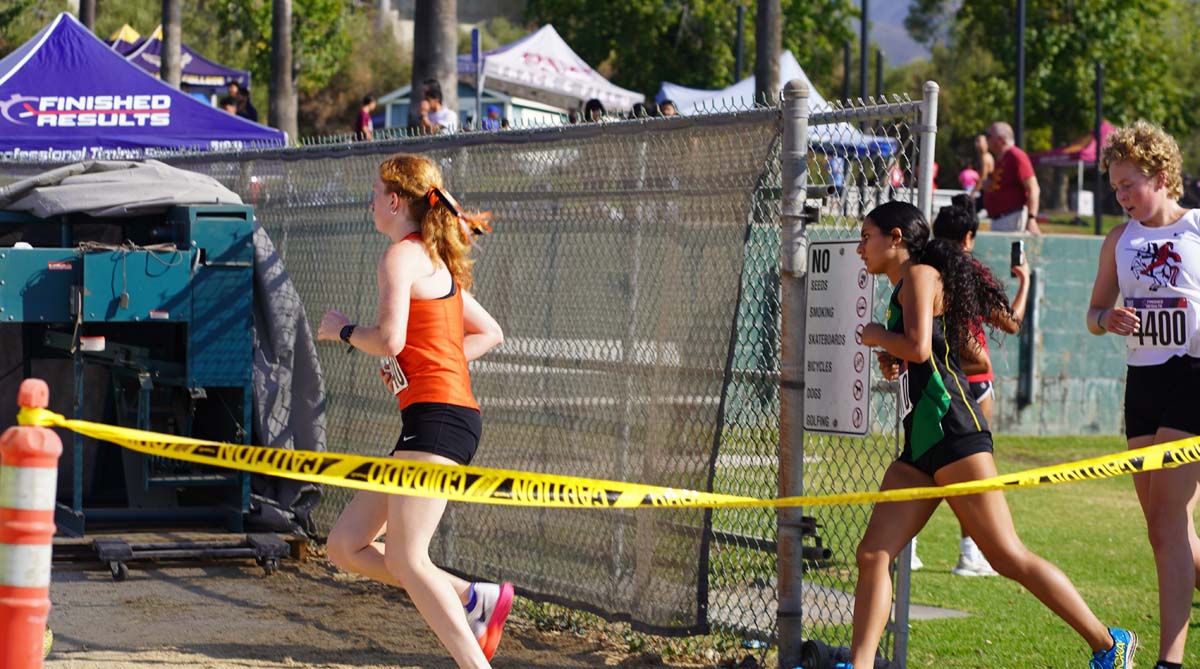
point(973, 566)
point(486, 612)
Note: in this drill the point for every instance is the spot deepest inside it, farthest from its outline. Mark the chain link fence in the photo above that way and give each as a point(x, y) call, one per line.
point(614, 270)
point(635, 268)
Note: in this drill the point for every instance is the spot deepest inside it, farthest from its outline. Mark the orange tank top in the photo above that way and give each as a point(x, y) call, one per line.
point(433, 359)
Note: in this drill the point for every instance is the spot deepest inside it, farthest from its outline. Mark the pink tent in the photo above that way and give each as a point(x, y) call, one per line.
point(1081, 150)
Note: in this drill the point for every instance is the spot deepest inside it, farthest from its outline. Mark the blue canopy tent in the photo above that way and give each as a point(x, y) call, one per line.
point(197, 70)
point(830, 138)
point(67, 93)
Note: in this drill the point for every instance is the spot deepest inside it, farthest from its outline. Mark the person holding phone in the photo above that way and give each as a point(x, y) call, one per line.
point(958, 224)
point(1147, 291)
point(430, 327)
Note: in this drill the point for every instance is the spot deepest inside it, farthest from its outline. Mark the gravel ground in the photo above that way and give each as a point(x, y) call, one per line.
point(229, 614)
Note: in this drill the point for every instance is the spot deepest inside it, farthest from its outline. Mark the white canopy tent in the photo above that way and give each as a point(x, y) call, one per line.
point(541, 67)
point(835, 138)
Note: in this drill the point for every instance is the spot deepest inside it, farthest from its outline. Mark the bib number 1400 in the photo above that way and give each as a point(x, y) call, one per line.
point(1162, 328)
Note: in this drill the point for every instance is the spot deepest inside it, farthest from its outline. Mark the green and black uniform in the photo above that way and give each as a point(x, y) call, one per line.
point(942, 423)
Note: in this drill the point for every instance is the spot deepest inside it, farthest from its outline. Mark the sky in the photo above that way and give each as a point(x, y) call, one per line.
point(887, 30)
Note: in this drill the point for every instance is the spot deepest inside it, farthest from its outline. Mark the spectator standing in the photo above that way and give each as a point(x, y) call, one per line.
point(192, 92)
point(1011, 192)
point(984, 162)
point(492, 120)
point(968, 179)
point(644, 110)
point(593, 111)
point(667, 108)
point(246, 108)
point(837, 174)
point(229, 104)
point(364, 128)
point(959, 224)
point(434, 117)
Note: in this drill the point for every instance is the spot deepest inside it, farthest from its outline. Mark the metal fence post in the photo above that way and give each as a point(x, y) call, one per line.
point(793, 263)
point(928, 134)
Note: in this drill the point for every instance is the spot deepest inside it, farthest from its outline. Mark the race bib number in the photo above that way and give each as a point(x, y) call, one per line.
point(1164, 322)
point(905, 400)
point(393, 376)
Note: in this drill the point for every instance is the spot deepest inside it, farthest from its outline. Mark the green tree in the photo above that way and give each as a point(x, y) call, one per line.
point(21, 20)
point(1183, 42)
point(639, 44)
point(375, 66)
point(1148, 49)
point(1063, 40)
point(320, 40)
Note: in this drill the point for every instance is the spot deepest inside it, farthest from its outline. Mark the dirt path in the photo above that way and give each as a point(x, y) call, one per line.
point(230, 615)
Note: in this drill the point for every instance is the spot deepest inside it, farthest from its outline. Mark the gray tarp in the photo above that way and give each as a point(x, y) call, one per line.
point(289, 394)
point(109, 188)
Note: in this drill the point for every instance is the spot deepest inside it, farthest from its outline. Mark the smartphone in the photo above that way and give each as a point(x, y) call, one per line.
point(1018, 253)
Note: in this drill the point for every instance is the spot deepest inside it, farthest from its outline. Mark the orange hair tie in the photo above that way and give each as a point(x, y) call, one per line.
point(478, 223)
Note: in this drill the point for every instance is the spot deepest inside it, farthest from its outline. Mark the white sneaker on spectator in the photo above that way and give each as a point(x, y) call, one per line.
point(973, 566)
point(915, 563)
point(971, 561)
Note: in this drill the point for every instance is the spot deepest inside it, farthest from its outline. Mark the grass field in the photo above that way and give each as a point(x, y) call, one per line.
point(1093, 531)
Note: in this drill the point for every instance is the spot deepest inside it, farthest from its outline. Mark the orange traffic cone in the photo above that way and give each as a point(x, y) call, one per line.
point(28, 476)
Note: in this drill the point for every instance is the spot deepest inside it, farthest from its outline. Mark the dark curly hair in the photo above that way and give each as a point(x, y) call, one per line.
point(956, 221)
point(970, 294)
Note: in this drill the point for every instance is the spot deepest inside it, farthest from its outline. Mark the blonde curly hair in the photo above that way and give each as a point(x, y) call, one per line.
point(1148, 148)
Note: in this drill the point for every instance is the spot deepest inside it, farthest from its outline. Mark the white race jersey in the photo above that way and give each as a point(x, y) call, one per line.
point(1158, 271)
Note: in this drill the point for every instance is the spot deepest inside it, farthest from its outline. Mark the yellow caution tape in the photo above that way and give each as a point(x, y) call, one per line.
point(518, 488)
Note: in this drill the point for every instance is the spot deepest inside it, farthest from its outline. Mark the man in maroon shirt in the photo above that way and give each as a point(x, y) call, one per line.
point(1010, 193)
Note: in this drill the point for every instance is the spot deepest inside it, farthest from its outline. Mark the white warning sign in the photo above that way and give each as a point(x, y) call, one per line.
point(837, 369)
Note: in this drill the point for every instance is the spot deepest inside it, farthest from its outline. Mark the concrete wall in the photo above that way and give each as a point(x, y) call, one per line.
point(1081, 378)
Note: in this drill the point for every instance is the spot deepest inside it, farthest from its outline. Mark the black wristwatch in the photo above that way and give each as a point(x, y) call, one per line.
point(347, 330)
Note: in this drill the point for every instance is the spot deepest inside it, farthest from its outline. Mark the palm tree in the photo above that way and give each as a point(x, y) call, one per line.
point(767, 44)
point(281, 111)
point(172, 38)
point(87, 14)
point(435, 52)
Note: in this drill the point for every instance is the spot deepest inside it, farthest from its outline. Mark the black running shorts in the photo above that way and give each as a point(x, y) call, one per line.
point(447, 430)
point(1162, 396)
point(948, 451)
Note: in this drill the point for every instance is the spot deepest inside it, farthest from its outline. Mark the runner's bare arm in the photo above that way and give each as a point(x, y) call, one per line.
point(1011, 322)
point(917, 293)
point(482, 332)
point(1102, 315)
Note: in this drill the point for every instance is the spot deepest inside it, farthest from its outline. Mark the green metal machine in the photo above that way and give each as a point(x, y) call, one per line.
point(164, 304)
